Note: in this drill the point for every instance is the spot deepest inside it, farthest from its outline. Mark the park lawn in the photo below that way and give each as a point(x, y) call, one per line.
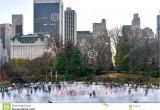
point(33, 78)
point(4, 82)
point(154, 81)
point(116, 75)
point(136, 78)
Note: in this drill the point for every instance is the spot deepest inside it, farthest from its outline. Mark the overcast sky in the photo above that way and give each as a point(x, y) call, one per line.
point(116, 12)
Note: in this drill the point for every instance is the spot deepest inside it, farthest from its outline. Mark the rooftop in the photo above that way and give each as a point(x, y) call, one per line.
point(30, 38)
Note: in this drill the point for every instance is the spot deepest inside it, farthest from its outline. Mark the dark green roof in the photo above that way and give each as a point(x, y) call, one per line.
point(31, 38)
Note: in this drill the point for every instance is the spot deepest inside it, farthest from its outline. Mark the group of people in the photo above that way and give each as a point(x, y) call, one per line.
point(93, 94)
point(3, 89)
point(49, 88)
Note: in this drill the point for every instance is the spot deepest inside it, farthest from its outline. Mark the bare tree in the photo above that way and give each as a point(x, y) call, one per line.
point(115, 36)
point(99, 47)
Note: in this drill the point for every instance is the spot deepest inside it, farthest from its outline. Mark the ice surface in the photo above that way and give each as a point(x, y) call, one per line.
point(79, 92)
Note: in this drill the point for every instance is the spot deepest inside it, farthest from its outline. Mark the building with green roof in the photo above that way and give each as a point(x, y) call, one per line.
point(28, 46)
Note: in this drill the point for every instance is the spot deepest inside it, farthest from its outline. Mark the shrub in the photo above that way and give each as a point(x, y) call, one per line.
point(98, 71)
point(123, 80)
point(155, 74)
point(68, 77)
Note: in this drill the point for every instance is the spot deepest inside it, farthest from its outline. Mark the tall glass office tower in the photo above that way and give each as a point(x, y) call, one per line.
point(158, 26)
point(70, 26)
point(49, 17)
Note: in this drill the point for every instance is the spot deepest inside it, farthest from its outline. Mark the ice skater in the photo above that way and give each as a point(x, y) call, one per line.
point(49, 88)
point(136, 88)
point(129, 91)
point(146, 92)
point(94, 94)
point(49, 101)
point(90, 95)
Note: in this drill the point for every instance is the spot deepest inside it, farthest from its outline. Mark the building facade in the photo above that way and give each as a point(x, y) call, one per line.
point(134, 30)
point(3, 54)
point(148, 33)
point(17, 25)
point(126, 30)
point(49, 18)
point(82, 36)
point(5, 35)
point(28, 46)
point(70, 26)
point(99, 27)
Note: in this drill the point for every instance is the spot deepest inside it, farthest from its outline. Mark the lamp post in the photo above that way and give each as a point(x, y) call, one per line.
point(56, 76)
point(46, 76)
point(51, 74)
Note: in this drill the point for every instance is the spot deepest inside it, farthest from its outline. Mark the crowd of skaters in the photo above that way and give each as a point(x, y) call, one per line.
point(70, 88)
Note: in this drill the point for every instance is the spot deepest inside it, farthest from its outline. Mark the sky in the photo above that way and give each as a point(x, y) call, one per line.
point(116, 12)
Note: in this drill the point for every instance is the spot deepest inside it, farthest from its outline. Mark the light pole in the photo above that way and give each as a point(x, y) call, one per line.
point(46, 76)
point(56, 76)
point(48, 51)
point(159, 52)
point(51, 74)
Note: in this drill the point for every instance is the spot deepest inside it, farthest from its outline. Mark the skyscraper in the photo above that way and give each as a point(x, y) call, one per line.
point(136, 22)
point(158, 26)
point(17, 25)
point(49, 17)
point(70, 26)
point(5, 35)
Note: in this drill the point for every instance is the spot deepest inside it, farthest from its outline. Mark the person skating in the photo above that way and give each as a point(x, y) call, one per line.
point(90, 95)
point(94, 94)
point(136, 88)
point(146, 92)
point(129, 91)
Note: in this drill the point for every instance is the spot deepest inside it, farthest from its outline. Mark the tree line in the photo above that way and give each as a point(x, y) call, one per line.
point(134, 53)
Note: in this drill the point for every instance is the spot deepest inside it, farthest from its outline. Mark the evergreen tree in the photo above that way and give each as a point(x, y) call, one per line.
point(60, 63)
point(70, 62)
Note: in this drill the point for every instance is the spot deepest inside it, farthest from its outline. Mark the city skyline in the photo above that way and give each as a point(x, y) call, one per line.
point(116, 13)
